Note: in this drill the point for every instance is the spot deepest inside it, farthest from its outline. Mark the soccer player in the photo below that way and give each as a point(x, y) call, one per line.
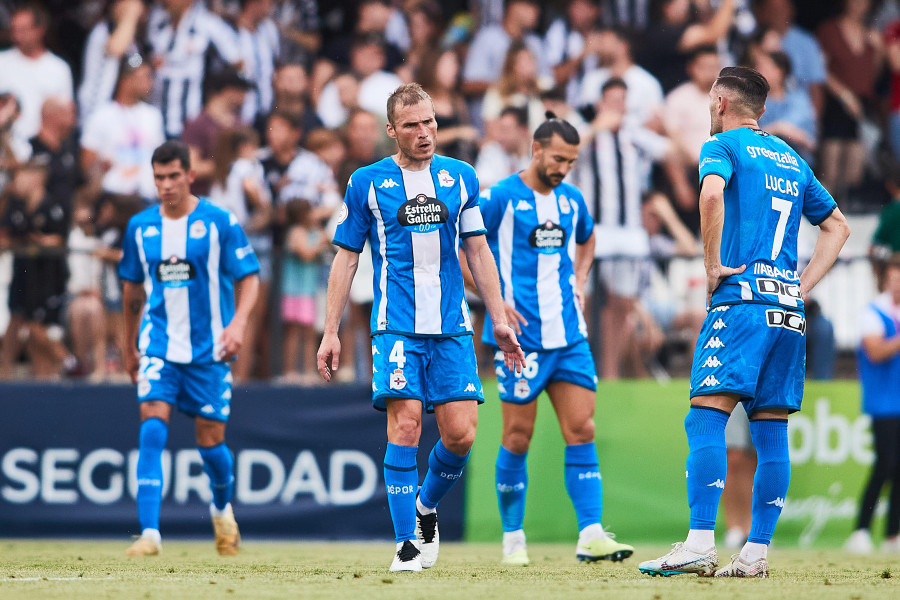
point(183, 260)
point(414, 208)
point(751, 349)
point(541, 234)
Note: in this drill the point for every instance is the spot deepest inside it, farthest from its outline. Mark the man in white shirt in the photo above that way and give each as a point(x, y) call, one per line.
point(30, 72)
point(120, 136)
point(645, 94)
point(509, 152)
point(569, 46)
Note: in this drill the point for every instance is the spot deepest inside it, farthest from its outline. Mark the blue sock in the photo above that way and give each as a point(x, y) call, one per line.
point(444, 469)
point(151, 442)
point(219, 465)
point(511, 476)
point(707, 464)
point(401, 478)
point(583, 482)
point(773, 474)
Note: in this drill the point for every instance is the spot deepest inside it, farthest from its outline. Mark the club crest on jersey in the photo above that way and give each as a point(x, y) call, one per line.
point(564, 206)
point(423, 213)
point(397, 380)
point(522, 389)
point(547, 238)
point(343, 213)
point(175, 272)
point(444, 178)
point(197, 230)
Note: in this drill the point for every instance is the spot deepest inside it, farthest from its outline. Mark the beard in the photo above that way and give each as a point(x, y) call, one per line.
point(547, 178)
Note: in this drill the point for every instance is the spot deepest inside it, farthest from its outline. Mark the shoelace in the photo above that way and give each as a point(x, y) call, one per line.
point(428, 524)
point(408, 551)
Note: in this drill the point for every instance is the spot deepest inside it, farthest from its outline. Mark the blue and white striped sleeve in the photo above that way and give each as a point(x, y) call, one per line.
point(470, 220)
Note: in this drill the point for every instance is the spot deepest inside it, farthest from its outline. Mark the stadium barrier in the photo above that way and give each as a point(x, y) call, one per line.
point(642, 448)
point(308, 464)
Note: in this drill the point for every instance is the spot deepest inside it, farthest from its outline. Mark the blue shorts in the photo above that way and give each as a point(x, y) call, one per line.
point(433, 370)
point(573, 364)
point(757, 351)
point(197, 390)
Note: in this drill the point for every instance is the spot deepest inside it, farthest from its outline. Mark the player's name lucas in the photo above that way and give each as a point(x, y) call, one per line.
point(770, 271)
point(782, 185)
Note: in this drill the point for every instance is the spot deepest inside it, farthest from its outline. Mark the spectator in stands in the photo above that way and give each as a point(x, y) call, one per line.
point(645, 95)
point(426, 27)
point(182, 33)
point(239, 185)
point(34, 226)
point(291, 90)
point(878, 360)
point(807, 60)
point(300, 278)
point(892, 52)
point(613, 178)
point(283, 132)
point(367, 64)
point(12, 150)
point(120, 32)
point(886, 239)
point(120, 136)
point(571, 44)
point(372, 20)
point(631, 15)
point(299, 28)
point(674, 33)
point(439, 75)
point(309, 178)
point(31, 72)
point(86, 319)
point(361, 134)
point(225, 95)
point(518, 86)
point(790, 113)
point(259, 44)
point(853, 56)
point(508, 152)
point(56, 146)
point(488, 50)
point(686, 118)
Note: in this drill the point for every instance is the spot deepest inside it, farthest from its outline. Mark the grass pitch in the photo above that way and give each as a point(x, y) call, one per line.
point(39, 569)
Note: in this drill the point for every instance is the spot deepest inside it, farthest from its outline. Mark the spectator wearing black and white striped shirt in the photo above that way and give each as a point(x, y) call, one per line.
point(259, 45)
point(185, 36)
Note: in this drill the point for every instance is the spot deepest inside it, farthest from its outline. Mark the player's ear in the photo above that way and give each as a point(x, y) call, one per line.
point(390, 130)
point(191, 175)
point(535, 147)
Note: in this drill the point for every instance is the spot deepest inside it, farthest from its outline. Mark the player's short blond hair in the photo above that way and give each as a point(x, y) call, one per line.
point(408, 94)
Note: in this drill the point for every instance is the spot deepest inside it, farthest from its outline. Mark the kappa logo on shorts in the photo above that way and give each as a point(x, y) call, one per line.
point(719, 325)
point(710, 380)
point(714, 342)
point(501, 388)
point(397, 380)
point(207, 410)
point(712, 361)
point(374, 387)
point(522, 389)
point(470, 388)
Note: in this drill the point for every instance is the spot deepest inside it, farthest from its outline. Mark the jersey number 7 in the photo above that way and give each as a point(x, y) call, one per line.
point(784, 211)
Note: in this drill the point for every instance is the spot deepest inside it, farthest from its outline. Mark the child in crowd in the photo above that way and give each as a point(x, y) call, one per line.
point(305, 243)
point(239, 185)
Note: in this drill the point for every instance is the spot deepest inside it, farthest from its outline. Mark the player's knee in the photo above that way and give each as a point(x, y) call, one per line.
point(579, 433)
point(517, 442)
point(405, 432)
point(459, 442)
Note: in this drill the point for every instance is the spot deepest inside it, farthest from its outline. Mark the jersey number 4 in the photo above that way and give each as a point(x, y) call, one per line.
point(784, 211)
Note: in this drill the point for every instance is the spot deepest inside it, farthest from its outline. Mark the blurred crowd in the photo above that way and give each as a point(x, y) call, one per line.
point(281, 100)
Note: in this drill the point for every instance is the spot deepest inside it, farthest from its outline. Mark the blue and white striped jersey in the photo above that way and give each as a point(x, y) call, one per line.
point(533, 239)
point(413, 220)
point(767, 189)
point(188, 267)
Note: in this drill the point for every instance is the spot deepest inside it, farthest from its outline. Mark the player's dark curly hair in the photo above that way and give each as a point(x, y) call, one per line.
point(750, 87)
point(556, 126)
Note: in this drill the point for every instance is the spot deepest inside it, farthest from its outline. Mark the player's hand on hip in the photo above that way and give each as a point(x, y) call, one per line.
point(132, 363)
point(716, 275)
point(329, 352)
point(513, 357)
point(514, 317)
